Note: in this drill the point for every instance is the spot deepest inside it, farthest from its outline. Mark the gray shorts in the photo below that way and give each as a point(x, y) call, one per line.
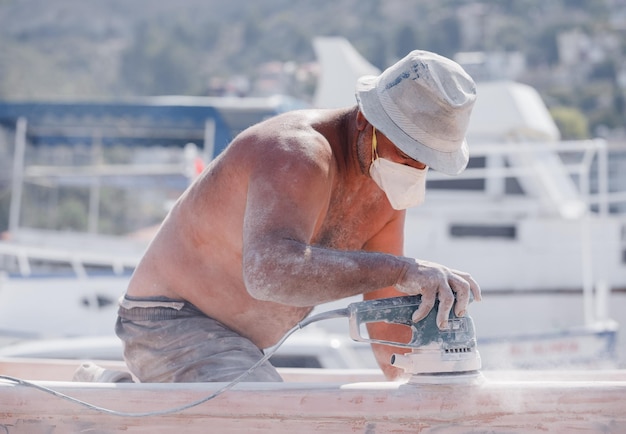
point(169, 340)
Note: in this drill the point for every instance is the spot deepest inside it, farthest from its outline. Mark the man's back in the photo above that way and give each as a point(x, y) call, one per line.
point(295, 167)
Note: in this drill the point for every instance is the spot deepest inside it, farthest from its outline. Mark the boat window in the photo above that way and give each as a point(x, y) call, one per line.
point(40, 267)
point(105, 270)
point(97, 269)
point(461, 184)
point(511, 185)
point(483, 231)
point(295, 361)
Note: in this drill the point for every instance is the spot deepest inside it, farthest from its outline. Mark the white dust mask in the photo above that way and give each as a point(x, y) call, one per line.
point(404, 186)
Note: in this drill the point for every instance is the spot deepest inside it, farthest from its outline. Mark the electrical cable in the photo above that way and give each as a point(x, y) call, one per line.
point(338, 313)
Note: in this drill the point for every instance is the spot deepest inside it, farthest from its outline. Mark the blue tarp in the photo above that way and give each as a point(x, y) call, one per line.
point(162, 121)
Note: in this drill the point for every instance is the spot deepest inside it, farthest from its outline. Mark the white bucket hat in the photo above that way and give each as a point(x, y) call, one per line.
point(423, 105)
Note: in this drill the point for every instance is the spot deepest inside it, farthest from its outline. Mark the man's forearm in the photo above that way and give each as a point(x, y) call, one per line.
point(303, 275)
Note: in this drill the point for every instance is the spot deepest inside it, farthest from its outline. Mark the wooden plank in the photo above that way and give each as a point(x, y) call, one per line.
point(521, 405)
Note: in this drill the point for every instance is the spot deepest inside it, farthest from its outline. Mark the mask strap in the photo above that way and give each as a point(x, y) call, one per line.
point(374, 144)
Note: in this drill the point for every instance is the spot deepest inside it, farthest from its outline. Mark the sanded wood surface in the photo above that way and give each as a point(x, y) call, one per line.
point(516, 401)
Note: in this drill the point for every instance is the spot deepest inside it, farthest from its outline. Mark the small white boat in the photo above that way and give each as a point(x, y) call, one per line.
point(76, 286)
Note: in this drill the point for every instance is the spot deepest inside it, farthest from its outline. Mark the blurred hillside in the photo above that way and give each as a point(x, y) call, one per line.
point(572, 51)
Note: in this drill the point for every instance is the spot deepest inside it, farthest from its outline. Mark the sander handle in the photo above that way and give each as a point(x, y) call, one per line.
point(399, 310)
point(394, 310)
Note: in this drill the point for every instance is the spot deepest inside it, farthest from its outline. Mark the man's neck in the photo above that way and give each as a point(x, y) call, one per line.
point(344, 142)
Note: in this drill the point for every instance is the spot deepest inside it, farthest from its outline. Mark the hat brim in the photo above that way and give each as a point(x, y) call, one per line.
point(450, 163)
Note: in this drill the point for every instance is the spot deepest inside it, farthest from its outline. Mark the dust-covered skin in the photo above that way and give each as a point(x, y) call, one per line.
point(287, 217)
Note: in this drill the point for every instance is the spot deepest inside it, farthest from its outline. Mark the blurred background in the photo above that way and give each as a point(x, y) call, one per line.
point(123, 102)
point(572, 51)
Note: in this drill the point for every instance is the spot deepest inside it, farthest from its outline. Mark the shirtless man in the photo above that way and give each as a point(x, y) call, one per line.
point(301, 209)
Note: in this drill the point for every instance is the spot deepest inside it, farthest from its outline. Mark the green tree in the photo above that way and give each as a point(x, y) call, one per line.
point(72, 214)
point(604, 71)
point(446, 39)
point(543, 49)
point(160, 61)
point(405, 40)
point(571, 122)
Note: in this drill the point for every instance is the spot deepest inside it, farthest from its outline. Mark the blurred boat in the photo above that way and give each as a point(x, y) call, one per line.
point(539, 222)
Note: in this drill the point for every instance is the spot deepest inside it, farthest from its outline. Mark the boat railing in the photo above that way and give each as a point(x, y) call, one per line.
point(587, 168)
point(26, 261)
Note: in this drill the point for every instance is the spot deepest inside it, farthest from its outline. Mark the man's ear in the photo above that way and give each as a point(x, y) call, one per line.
point(361, 122)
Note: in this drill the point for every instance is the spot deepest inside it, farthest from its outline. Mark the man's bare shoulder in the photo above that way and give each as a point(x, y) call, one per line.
point(298, 138)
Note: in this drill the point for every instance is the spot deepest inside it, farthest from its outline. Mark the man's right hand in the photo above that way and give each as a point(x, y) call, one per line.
point(435, 281)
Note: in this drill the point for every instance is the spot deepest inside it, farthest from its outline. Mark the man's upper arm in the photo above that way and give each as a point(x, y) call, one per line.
point(288, 195)
point(287, 192)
